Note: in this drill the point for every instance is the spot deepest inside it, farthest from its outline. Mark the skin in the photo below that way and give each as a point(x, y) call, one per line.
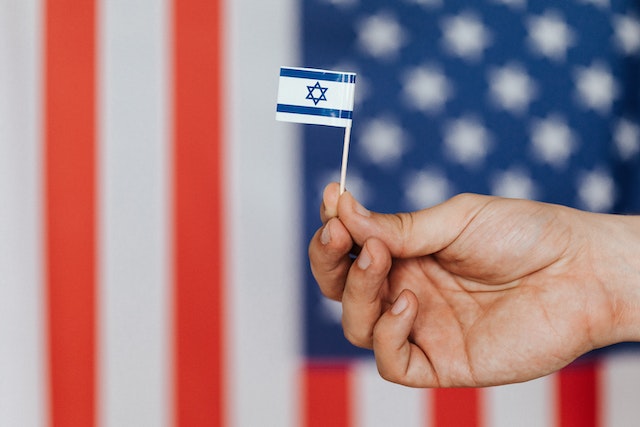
point(479, 290)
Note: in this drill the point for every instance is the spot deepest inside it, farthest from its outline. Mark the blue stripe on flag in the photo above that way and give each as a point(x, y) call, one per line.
point(313, 111)
point(317, 75)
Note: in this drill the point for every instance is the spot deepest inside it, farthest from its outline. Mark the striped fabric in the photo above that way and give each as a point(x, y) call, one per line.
point(150, 252)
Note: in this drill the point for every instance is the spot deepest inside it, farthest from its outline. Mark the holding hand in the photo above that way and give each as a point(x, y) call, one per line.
point(479, 290)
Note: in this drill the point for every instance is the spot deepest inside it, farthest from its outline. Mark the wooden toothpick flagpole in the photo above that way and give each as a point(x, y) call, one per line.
point(345, 157)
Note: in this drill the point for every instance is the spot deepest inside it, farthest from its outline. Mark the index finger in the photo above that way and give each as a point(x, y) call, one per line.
point(329, 206)
point(329, 258)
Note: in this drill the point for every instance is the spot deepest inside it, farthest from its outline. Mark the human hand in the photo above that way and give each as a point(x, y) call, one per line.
point(479, 290)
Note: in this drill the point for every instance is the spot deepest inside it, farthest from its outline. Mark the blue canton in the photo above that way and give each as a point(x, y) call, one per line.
point(514, 98)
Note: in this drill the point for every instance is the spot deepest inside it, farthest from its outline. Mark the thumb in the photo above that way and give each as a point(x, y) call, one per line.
point(399, 360)
point(412, 233)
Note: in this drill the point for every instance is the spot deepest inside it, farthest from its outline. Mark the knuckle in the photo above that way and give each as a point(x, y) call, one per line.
point(388, 368)
point(405, 222)
point(379, 338)
point(387, 371)
point(362, 340)
point(330, 292)
point(329, 287)
point(330, 277)
point(463, 197)
point(468, 199)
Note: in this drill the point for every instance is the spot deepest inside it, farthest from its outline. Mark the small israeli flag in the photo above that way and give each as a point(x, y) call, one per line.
point(321, 97)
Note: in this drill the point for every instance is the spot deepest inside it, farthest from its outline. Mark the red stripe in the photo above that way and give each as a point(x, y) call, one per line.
point(69, 146)
point(577, 391)
point(456, 407)
point(327, 395)
point(198, 230)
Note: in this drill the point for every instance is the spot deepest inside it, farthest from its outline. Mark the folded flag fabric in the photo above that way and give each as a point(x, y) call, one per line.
point(313, 96)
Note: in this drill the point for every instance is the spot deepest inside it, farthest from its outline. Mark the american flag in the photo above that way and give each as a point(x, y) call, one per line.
point(533, 100)
point(154, 216)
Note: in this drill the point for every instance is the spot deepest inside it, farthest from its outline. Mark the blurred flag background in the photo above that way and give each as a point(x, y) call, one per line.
point(154, 216)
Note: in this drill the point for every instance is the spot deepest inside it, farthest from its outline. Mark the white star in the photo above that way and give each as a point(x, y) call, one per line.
point(596, 87)
point(626, 136)
point(519, 4)
point(426, 3)
point(426, 88)
point(627, 33)
point(382, 142)
point(465, 36)
point(466, 141)
point(552, 140)
point(341, 3)
point(598, 3)
point(596, 191)
point(550, 36)
point(426, 188)
point(381, 36)
point(511, 88)
point(331, 310)
point(514, 184)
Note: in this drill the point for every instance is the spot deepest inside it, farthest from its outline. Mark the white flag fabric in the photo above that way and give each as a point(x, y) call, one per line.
point(313, 96)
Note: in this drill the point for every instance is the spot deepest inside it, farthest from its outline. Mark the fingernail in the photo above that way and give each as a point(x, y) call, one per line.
point(325, 237)
point(364, 259)
point(400, 305)
point(360, 209)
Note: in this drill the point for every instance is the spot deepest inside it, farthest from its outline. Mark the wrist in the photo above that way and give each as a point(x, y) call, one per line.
point(616, 264)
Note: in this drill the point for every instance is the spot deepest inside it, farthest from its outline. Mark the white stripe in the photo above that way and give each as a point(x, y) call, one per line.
point(314, 93)
point(380, 403)
point(22, 357)
point(621, 389)
point(527, 404)
point(134, 309)
point(267, 255)
point(312, 120)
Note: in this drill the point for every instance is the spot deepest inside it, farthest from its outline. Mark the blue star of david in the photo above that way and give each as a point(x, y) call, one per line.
point(311, 95)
